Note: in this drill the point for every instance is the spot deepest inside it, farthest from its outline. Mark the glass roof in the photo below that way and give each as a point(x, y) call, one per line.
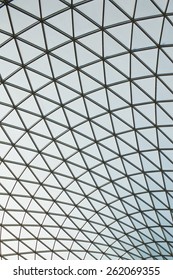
point(86, 129)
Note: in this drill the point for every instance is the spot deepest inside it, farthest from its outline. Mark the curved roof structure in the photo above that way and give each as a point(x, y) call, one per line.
point(86, 129)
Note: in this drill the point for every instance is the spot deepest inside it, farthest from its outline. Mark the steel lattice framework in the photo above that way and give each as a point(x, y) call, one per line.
point(86, 129)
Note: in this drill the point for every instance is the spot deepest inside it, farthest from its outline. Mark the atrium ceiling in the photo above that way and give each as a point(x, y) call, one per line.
point(86, 129)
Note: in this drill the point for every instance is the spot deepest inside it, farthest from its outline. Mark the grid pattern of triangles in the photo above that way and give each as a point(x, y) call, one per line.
point(86, 129)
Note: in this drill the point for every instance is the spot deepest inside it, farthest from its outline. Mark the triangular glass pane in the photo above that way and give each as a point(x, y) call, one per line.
point(148, 110)
point(93, 109)
point(99, 132)
point(28, 176)
point(155, 31)
point(82, 25)
point(41, 175)
point(166, 163)
point(125, 115)
point(113, 14)
point(78, 106)
point(13, 133)
point(122, 33)
point(34, 36)
point(110, 143)
point(7, 68)
point(5, 21)
point(63, 22)
point(122, 62)
point(50, 92)
point(149, 57)
point(6, 51)
point(163, 93)
point(167, 29)
point(88, 84)
point(31, 6)
point(16, 169)
point(71, 80)
point(106, 153)
point(40, 141)
point(84, 56)
point(140, 120)
point(66, 94)
point(164, 142)
point(41, 65)
point(53, 37)
point(93, 10)
point(74, 119)
point(130, 169)
point(50, 7)
point(167, 107)
point(56, 129)
point(123, 90)
point(104, 121)
point(4, 149)
point(30, 105)
point(20, 20)
point(148, 86)
point(26, 142)
point(95, 47)
point(119, 125)
point(41, 126)
point(95, 71)
point(128, 7)
point(161, 4)
point(17, 95)
point(59, 67)
point(169, 51)
point(138, 69)
point(167, 130)
point(150, 134)
point(160, 200)
point(13, 118)
point(66, 53)
point(4, 39)
point(165, 64)
point(46, 106)
point(93, 150)
point(113, 75)
point(129, 137)
point(153, 156)
point(100, 97)
point(27, 51)
point(58, 116)
point(138, 96)
point(20, 79)
point(28, 119)
point(27, 155)
point(4, 97)
point(167, 80)
point(140, 39)
point(111, 46)
point(124, 148)
point(163, 118)
point(146, 9)
point(36, 80)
